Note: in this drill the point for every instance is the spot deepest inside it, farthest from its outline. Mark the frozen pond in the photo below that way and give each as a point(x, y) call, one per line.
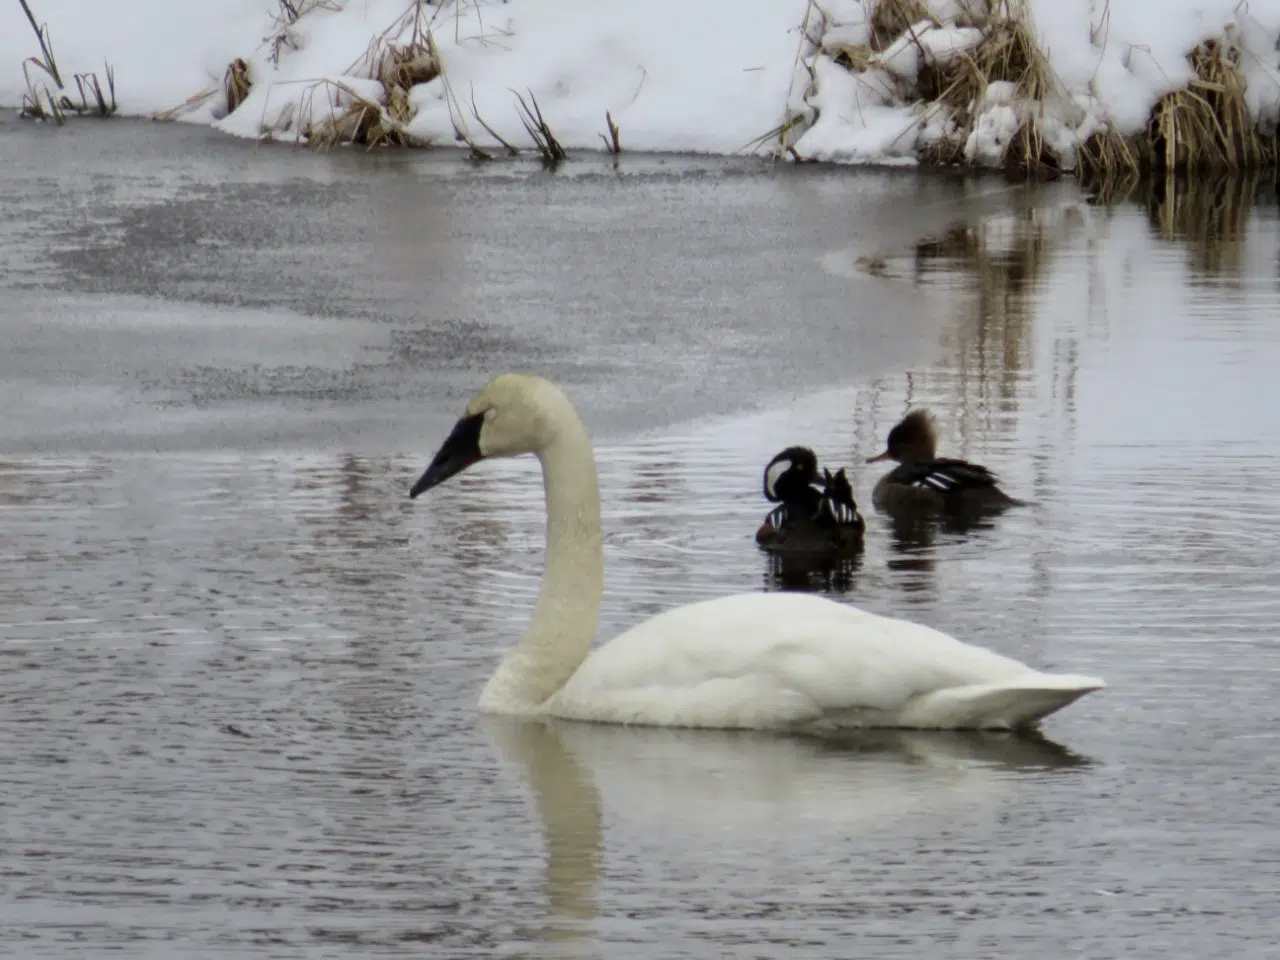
point(240, 667)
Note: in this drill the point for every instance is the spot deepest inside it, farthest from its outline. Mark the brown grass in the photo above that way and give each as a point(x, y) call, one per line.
point(1008, 53)
point(398, 67)
point(1207, 125)
point(891, 17)
point(1028, 156)
point(236, 84)
point(362, 121)
point(1109, 160)
point(1204, 126)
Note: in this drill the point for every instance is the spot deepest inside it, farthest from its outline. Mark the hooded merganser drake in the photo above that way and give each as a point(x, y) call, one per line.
point(813, 516)
point(923, 481)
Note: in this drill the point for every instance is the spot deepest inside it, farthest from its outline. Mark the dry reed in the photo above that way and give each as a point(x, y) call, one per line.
point(1205, 126)
point(41, 103)
point(398, 66)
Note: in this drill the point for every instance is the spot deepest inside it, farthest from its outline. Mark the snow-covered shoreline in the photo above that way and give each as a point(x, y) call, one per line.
point(979, 82)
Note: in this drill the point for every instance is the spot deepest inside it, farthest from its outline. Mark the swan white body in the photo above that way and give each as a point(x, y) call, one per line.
point(764, 661)
point(797, 661)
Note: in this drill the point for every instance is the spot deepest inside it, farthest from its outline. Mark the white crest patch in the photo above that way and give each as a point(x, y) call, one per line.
point(772, 475)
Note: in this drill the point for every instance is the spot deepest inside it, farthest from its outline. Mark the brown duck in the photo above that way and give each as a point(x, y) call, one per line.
point(924, 482)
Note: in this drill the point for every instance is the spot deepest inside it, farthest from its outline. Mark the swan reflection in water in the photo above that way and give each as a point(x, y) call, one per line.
point(746, 786)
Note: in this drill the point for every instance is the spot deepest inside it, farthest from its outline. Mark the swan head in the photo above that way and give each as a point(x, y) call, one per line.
point(513, 414)
point(913, 440)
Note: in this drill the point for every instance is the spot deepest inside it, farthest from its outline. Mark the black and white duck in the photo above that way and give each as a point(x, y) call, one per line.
point(815, 514)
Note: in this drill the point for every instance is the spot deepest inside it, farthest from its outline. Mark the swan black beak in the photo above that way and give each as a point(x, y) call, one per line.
point(460, 450)
point(878, 457)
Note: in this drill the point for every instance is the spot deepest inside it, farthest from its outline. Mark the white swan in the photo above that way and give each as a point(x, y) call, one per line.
point(766, 661)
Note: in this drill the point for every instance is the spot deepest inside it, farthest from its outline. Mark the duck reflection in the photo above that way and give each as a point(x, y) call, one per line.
point(808, 572)
point(912, 532)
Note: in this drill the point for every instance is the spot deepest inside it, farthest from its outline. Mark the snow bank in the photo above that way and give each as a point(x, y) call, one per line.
point(703, 76)
point(1102, 66)
point(846, 80)
point(162, 50)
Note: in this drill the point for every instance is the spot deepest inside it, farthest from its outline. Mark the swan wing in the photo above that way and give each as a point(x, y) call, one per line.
point(761, 661)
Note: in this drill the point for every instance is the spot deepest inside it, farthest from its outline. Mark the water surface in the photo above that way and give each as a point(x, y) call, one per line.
point(240, 677)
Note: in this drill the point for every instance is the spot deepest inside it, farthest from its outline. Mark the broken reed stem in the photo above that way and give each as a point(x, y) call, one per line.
point(546, 142)
point(611, 142)
point(88, 83)
point(512, 149)
point(49, 64)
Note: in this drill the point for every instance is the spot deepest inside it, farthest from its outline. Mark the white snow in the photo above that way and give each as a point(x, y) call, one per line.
point(162, 50)
point(1132, 52)
point(712, 75)
point(857, 121)
point(674, 75)
point(924, 42)
point(1112, 60)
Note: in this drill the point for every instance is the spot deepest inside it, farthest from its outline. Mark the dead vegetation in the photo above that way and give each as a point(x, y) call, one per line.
point(1205, 126)
point(397, 66)
point(39, 102)
point(288, 13)
point(1008, 53)
point(544, 140)
point(611, 142)
point(348, 109)
point(236, 84)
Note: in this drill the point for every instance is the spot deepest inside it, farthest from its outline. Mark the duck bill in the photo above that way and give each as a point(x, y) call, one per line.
point(460, 450)
point(877, 459)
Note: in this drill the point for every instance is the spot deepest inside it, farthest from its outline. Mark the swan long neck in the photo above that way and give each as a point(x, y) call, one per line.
point(567, 614)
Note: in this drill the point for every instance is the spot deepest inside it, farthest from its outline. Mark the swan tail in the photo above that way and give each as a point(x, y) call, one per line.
point(1018, 703)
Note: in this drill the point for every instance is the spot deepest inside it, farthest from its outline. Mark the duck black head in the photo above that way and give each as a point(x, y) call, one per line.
point(913, 440)
point(789, 474)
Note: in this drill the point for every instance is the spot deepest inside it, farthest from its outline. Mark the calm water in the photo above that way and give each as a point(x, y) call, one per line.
point(239, 685)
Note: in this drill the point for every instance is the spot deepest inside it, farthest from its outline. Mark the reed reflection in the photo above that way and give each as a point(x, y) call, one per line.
point(1207, 216)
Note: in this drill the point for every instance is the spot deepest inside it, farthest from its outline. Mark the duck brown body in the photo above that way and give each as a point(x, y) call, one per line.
point(923, 482)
